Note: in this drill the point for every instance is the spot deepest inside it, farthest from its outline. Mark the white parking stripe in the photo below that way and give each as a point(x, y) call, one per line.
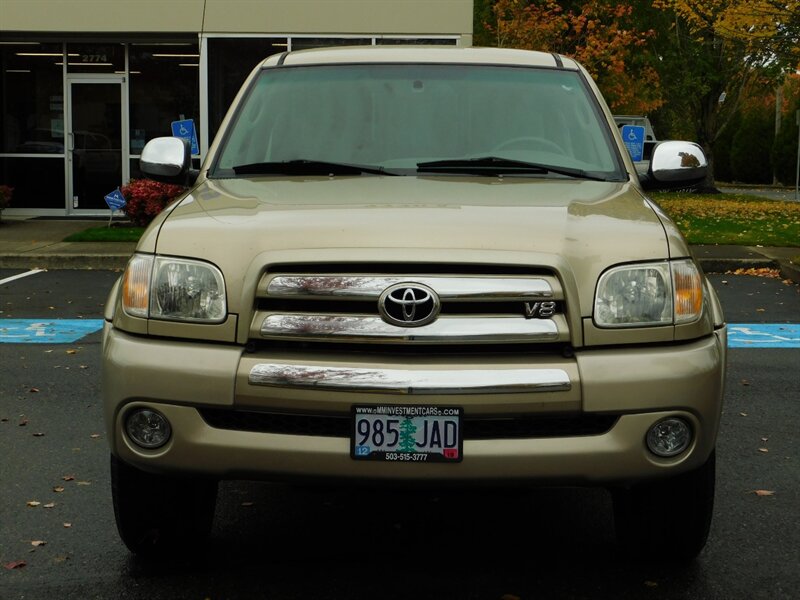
point(21, 275)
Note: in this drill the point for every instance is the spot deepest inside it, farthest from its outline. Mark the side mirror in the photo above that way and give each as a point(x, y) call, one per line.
point(675, 165)
point(167, 159)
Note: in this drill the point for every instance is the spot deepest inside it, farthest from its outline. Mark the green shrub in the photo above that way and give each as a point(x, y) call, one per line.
point(784, 150)
point(750, 150)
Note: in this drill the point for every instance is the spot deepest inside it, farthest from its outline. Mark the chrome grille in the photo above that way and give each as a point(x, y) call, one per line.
point(343, 308)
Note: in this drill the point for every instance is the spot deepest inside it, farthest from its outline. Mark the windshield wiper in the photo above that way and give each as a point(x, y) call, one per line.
point(307, 167)
point(495, 165)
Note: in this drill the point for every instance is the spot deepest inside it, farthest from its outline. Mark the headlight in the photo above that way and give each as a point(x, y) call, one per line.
point(173, 289)
point(661, 293)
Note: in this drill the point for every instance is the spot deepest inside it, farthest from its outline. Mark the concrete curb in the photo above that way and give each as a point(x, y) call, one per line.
point(97, 262)
point(790, 271)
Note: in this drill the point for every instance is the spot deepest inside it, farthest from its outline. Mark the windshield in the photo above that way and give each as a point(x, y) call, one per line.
point(396, 118)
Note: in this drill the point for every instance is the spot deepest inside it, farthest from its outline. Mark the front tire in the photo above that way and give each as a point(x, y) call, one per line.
point(666, 520)
point(159, 514)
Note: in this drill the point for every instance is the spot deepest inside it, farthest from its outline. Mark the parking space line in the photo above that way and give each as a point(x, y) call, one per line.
point(21, 275)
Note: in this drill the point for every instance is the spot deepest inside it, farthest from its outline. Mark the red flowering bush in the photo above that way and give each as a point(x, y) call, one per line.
point(146, 198)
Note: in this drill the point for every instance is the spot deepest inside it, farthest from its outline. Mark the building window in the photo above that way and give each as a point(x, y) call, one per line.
point(417, 41)
point(305, 43)
point(96, 58)
point(230, 61)
point(163, 88)
point(31, 98)
point(37, 182)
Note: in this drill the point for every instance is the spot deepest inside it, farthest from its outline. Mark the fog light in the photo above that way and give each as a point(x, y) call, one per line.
point(148, 428)
point(669, 437)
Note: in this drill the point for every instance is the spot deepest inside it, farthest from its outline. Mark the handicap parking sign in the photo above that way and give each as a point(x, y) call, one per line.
point(633, 137)
point(185, 129)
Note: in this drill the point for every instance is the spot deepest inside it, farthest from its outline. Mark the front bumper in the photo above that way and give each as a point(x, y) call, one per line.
point(640, 385)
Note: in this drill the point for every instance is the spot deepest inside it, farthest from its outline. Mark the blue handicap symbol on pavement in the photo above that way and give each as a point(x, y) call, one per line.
point(42, 331)
point(185, 129)
point(115, 200)
point(763, 335)
point(633, 137)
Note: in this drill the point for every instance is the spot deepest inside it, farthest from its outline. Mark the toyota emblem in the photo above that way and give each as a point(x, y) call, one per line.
point(408, 305)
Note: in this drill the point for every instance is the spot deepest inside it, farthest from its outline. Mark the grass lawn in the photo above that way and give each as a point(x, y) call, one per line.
point(107, 234)
point(703, 218)
point(733, 219)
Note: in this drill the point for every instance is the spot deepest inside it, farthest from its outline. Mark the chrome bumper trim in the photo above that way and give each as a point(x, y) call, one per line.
point(445, 330)
point(367, 287)
point(400, 381)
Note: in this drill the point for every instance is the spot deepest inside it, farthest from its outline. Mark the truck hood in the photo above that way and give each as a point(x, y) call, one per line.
point(576, 228)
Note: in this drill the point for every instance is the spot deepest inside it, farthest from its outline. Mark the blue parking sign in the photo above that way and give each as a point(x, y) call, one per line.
point(633, 137)
point(185, 129)
point(115, 200)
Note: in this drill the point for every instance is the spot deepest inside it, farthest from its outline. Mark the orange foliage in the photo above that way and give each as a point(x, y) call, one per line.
point(599, 35)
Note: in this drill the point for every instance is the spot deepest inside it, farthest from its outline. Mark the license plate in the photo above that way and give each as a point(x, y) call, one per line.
point(398, 433)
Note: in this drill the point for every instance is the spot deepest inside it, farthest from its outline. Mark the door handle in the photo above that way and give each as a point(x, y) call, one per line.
point(71, 142)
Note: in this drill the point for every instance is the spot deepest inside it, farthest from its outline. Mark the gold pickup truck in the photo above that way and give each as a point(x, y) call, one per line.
point(419, 265)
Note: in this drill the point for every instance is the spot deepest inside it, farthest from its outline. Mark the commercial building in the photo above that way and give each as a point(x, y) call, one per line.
point(85, 83)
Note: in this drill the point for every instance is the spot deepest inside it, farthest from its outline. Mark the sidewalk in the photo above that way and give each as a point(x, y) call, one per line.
point(37, 243)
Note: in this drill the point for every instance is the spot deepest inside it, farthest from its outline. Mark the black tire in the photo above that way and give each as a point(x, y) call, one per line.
point(666, 520)
point(159, 514)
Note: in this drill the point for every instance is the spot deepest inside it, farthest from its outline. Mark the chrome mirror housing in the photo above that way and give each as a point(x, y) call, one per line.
point(166, 158)
point(676, 164)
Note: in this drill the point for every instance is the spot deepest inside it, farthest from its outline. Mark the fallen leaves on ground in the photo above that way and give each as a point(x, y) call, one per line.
point(58, 489)
point(33, 503)
point(16, 564)
point(757, 272)
point(763, 493)
point(749, 211)
point(37, 543)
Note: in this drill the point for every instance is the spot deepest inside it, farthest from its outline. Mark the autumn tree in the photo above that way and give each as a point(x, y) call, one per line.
point(603, 36)
point(688, 64)
point(712, 51)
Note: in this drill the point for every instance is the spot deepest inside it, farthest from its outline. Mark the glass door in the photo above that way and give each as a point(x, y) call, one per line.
point(96, 163)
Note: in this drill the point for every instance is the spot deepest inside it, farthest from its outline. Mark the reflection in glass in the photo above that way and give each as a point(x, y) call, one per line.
point(230, 61)
point(38, 182)
point(31, 99)
point(164, 87)
point(95, 143)
point(96, 58)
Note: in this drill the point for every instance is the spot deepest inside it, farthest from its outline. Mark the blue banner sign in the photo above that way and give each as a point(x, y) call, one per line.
point(115, 200)
point(185, 129)
point(633, 137)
